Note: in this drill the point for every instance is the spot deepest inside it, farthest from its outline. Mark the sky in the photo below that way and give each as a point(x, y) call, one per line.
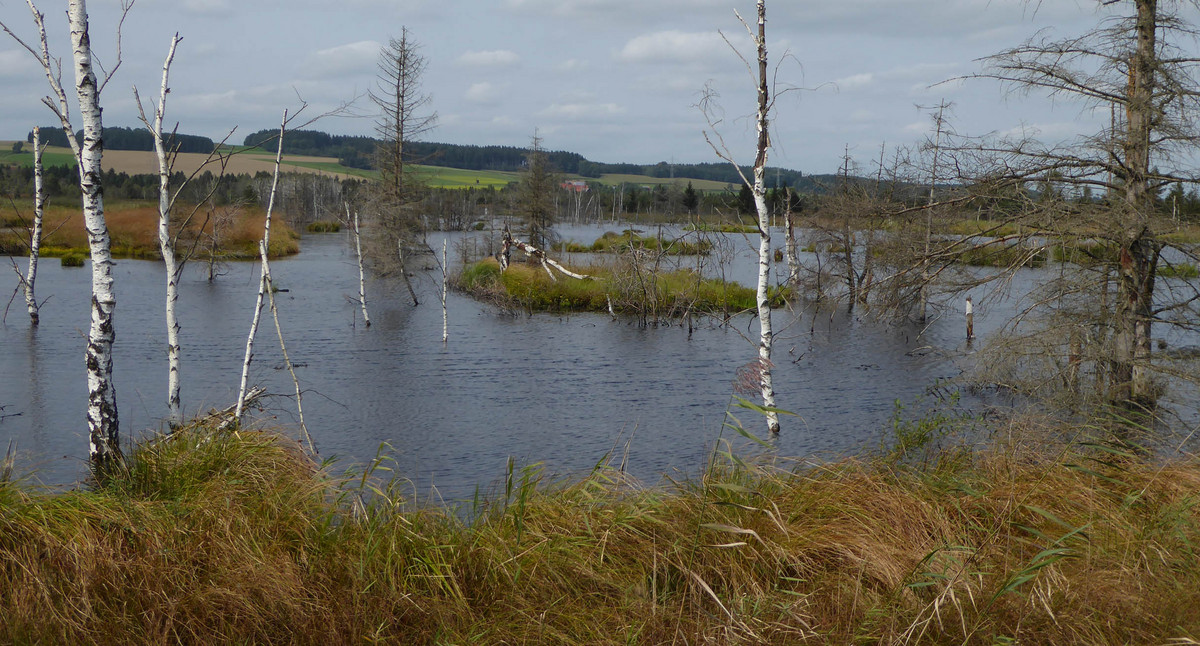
point(612, 80)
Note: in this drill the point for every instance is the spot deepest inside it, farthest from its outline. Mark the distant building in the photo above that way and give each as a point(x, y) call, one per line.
point(576, 185)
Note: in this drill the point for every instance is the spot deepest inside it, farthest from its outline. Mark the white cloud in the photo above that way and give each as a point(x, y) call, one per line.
point(491, 58)
point(674, 46)
point(582, 111)
point(353, 58)
point(483, 93)
point(855, 81)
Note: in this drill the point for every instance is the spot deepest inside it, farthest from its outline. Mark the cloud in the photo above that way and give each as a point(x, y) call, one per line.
point(673, 46)
point(571, 65)
point(343, 60)
point(208, 7)
point(582, 111)
point(483, 93)
point(491, 58)
point(855, 81)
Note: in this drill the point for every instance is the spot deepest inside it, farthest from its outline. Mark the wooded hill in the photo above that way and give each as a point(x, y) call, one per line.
point(359, 152)
point(127, 139)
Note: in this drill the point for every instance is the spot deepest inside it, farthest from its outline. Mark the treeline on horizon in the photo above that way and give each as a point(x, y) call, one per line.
point(359, 152)
point(127, 139)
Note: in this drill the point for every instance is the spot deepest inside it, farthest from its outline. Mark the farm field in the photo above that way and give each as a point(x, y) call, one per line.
point(135, 162)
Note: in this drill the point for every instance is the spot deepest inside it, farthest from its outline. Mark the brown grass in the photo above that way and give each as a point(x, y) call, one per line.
point(133, 230)
point(214, 538)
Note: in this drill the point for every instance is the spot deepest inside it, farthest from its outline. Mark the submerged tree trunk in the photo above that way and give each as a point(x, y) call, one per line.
point(35, 232)
point(765, 338)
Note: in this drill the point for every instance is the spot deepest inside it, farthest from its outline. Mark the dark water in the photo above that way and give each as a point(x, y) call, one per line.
point(559, 390)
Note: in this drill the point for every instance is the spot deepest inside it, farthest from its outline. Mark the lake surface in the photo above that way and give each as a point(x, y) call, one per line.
point(561, 390)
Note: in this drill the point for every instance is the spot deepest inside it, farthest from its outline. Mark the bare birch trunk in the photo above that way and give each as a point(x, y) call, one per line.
point(445, 290)
point(166, 244)
point(269, 288)
point(765, 338)
point(35, 233)
point(103, 426)
point(362, 278)
point(789, 247)
point(262, 282)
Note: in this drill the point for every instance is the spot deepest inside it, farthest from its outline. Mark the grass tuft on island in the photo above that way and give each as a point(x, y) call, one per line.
point(133, 230)
point(211, 537)
point(629, 240)
point(628, 290)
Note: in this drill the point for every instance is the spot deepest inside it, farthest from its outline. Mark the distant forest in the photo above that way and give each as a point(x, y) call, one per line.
point(127, 139)
point(359, 152)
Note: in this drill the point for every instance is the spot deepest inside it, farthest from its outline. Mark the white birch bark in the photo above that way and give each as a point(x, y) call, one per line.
point(765, 337)
point(103, 427)
point(793, 259)
point(166, 244)
point(35, 232)
point(262, 282)
point(506, 250)
point(362, 277)
point(445, 291)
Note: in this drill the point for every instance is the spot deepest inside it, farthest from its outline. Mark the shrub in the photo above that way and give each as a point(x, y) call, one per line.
point(73, 259)
point(325, 226)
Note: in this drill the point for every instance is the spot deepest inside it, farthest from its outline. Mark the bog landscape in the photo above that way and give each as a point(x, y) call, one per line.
point(305, 387)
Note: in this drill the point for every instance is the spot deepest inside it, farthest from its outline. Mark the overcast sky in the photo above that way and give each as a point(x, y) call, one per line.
point(614, 80)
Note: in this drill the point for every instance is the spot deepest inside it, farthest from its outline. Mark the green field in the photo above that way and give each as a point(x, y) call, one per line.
point(25, 158)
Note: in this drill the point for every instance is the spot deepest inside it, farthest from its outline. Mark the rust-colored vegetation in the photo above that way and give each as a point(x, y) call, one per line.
point(229, 232)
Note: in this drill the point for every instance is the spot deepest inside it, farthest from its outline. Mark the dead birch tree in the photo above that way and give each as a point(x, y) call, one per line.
point(166, 243)
point(29, 278)
point(169, 230)
point(103, 426)
point(757, 186)
point(262, 283)
point(266, 288)
point(504, 257)
point(352, 220)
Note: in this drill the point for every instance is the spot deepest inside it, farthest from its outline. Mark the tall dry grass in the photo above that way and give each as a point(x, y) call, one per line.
point(133, 229)
point(218, 538)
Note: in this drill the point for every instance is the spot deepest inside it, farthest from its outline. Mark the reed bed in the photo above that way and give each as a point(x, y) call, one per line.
point(133, 230)
point(209, 537)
